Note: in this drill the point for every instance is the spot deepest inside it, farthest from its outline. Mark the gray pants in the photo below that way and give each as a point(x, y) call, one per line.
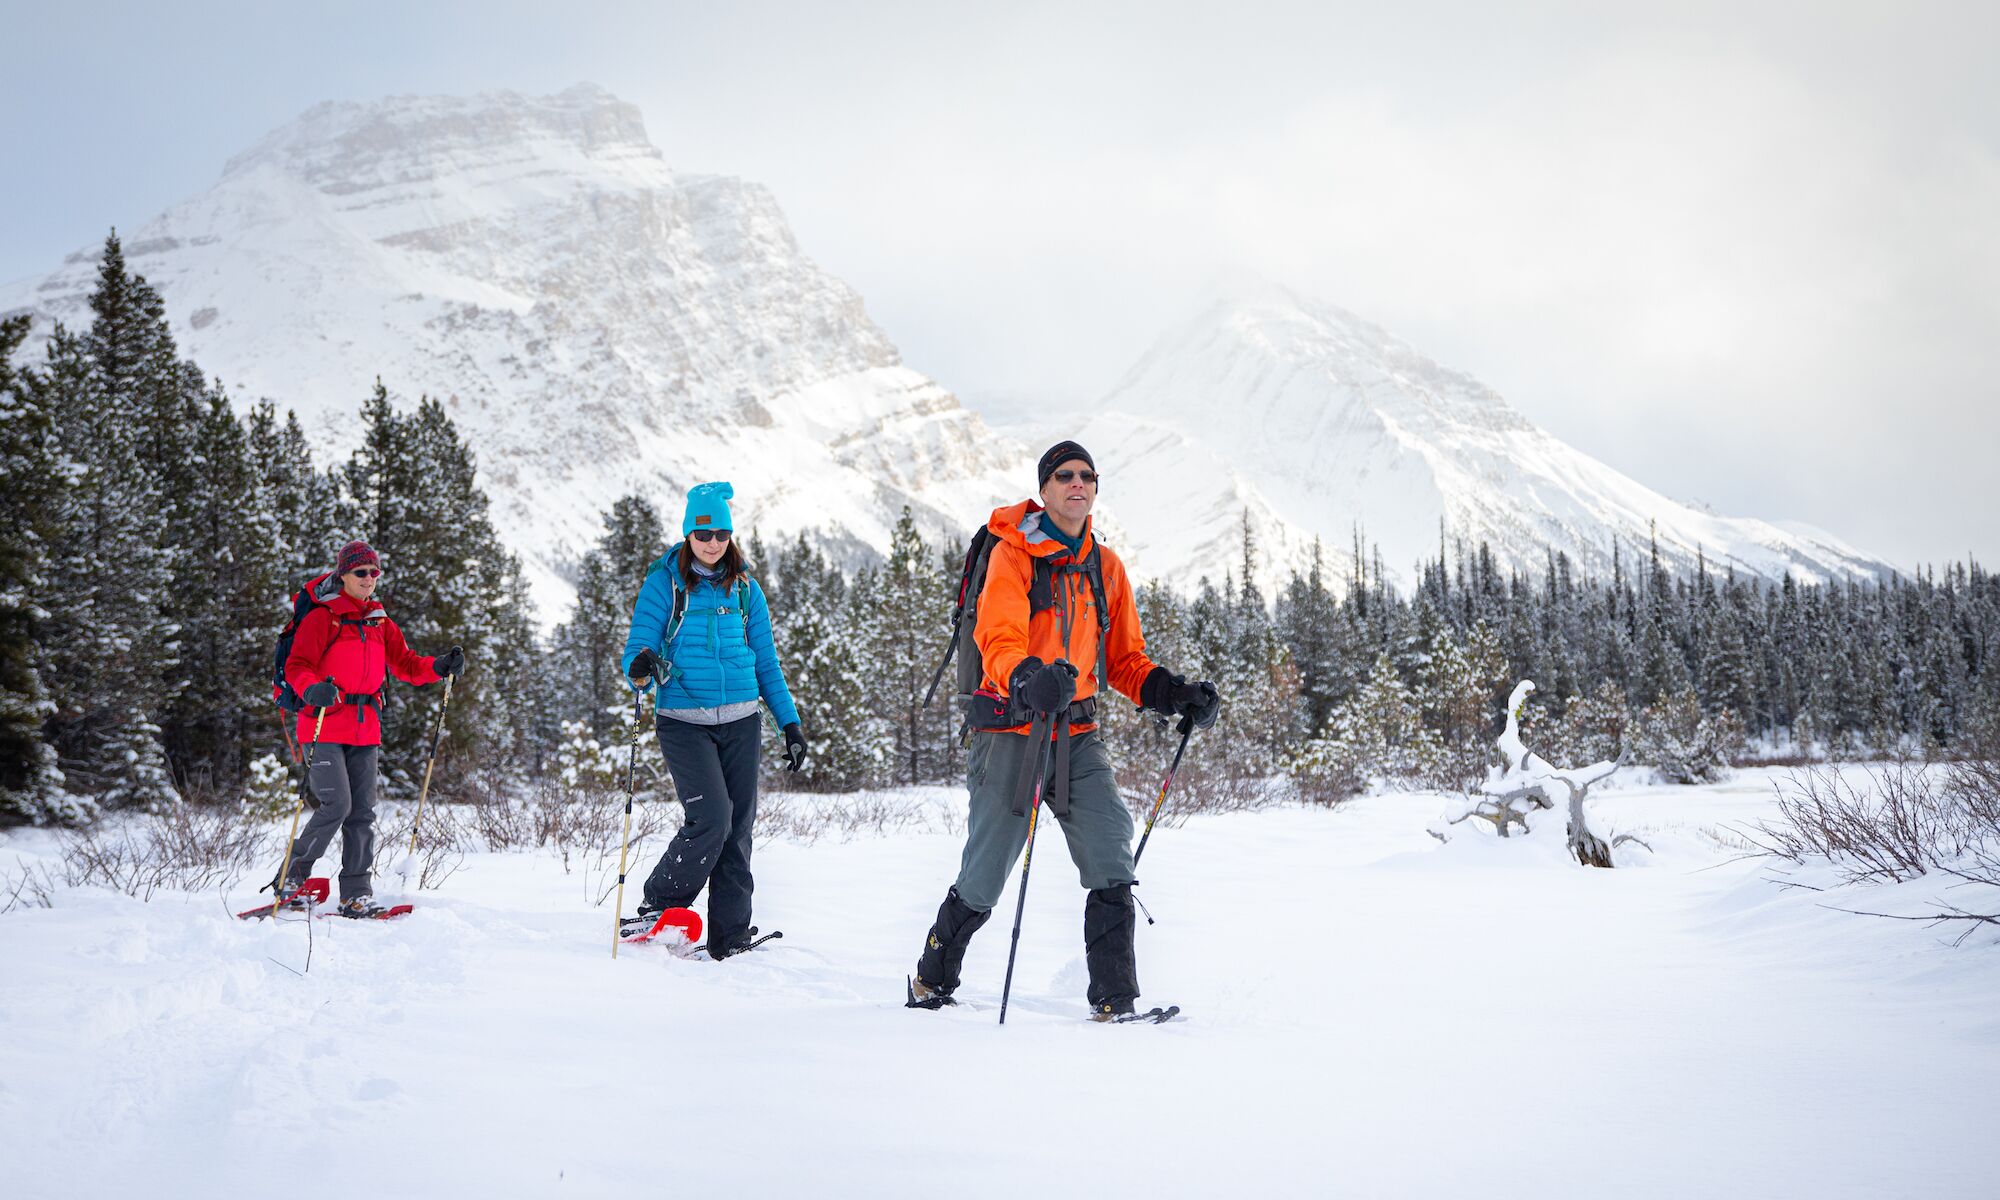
point(343, 780)
point(1098, 828)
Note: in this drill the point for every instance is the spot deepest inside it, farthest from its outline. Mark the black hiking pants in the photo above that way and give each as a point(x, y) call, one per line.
point(715, 771)
point(343, 781)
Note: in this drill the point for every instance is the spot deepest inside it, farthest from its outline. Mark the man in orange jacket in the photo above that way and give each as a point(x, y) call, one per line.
point(1053, 596)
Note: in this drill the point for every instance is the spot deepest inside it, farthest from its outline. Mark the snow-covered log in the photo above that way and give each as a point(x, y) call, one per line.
point(1529, 785)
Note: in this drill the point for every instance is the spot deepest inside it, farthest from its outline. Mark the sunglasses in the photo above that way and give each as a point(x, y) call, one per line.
point(367, 572)
point(1066, 476)
point(705, 536)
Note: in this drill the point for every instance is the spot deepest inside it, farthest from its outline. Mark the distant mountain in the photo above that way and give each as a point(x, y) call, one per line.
point(1314, 421)
point(597, 323)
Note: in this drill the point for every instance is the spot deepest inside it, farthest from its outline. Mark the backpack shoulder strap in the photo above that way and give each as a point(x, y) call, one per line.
point(677, 613)
point(1093, 570)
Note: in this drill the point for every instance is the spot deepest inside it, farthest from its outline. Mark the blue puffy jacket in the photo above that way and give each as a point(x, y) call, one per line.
point(720, 659)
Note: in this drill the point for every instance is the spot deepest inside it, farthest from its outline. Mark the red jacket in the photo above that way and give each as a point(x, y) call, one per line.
point(356, 646)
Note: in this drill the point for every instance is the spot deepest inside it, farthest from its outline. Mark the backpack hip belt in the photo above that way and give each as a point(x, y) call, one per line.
point(989, 712)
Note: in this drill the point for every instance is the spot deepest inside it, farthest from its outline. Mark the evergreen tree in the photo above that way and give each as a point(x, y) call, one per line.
point(109, 645)
point(229, 575)
point(588, 688)
point(815, 634)
point(31, 488)
point(911, 608)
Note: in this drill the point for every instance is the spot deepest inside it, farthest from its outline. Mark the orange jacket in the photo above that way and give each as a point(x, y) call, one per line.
point(1006, 633)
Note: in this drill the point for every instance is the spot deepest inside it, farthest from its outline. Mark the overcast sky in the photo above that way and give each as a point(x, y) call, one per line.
point(1748, 254)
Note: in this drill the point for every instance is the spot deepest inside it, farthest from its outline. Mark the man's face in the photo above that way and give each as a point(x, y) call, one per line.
point(1071, 491)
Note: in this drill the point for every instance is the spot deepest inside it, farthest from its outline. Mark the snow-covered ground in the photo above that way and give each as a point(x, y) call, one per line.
point(1371, 1014)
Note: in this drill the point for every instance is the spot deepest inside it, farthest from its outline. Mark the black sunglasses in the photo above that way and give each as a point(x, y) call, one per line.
point(1066, 476)
point(706, 536)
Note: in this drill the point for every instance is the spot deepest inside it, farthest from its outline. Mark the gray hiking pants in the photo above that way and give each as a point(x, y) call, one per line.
point(1098, 828)
point(343, 780)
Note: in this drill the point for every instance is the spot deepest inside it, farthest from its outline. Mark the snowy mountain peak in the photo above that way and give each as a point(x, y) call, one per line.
point(596, 324)
point(1300, 360)
point(1316, 423)
point(347, 146)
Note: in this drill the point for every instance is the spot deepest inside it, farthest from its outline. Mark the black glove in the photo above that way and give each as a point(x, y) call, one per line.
point(1043, 687)
point(450, 663)
point(1173, 696)
point(324, 694)
point(795, 747)
point(646, 667)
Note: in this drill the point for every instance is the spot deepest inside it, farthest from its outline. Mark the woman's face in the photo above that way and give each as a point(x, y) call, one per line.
point(360, 583)
point(709, 552)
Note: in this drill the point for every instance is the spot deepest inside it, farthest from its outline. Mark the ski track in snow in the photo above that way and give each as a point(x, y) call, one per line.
point(1370, 1014)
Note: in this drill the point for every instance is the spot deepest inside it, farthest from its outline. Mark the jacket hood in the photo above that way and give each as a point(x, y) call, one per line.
point(1020, 525)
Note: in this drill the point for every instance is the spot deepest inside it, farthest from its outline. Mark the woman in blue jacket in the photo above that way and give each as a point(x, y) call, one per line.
point(710, 668)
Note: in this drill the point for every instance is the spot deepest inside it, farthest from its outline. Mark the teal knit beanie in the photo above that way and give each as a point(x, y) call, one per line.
point(707, 508)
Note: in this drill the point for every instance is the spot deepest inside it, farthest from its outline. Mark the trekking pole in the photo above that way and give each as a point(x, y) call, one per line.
point(437, 734)
point(1186, 728)
point(1039, 730)
point(625, 844)
point(291, 747)
point(285, 864)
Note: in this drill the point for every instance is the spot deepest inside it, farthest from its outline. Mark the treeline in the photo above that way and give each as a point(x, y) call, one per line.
point(150, 537)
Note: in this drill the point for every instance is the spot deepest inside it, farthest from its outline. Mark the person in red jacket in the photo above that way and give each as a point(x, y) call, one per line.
point(341, 653)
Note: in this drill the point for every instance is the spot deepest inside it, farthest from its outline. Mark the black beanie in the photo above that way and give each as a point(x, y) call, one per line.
point(1056, 456)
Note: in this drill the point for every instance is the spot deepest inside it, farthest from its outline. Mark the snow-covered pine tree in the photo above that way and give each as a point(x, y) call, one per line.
point(1456, 694)
point(584, 651)
point(31, 485)
point(109, 643)
point(912, 620)
point(817, 642)
point(229, 575)
point(313, 519)
point(1308, 623)
point(447, 581)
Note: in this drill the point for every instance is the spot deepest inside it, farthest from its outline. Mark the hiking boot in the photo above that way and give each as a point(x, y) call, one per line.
point(732, 944)
point(1111, 1010)
point(360, 908)
point(926, 995)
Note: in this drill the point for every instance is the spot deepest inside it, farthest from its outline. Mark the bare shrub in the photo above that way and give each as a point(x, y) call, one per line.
point(184, 847)
point(1905, 821)
point(1892, 827)
point(806, 817)
point(442, 841)
point(32, 888)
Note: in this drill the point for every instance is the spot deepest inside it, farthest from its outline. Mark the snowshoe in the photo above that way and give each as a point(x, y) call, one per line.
point(364, 908)
point(301, 898)
point(683, 925)
point(740, 942)
point(1120, 1013)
